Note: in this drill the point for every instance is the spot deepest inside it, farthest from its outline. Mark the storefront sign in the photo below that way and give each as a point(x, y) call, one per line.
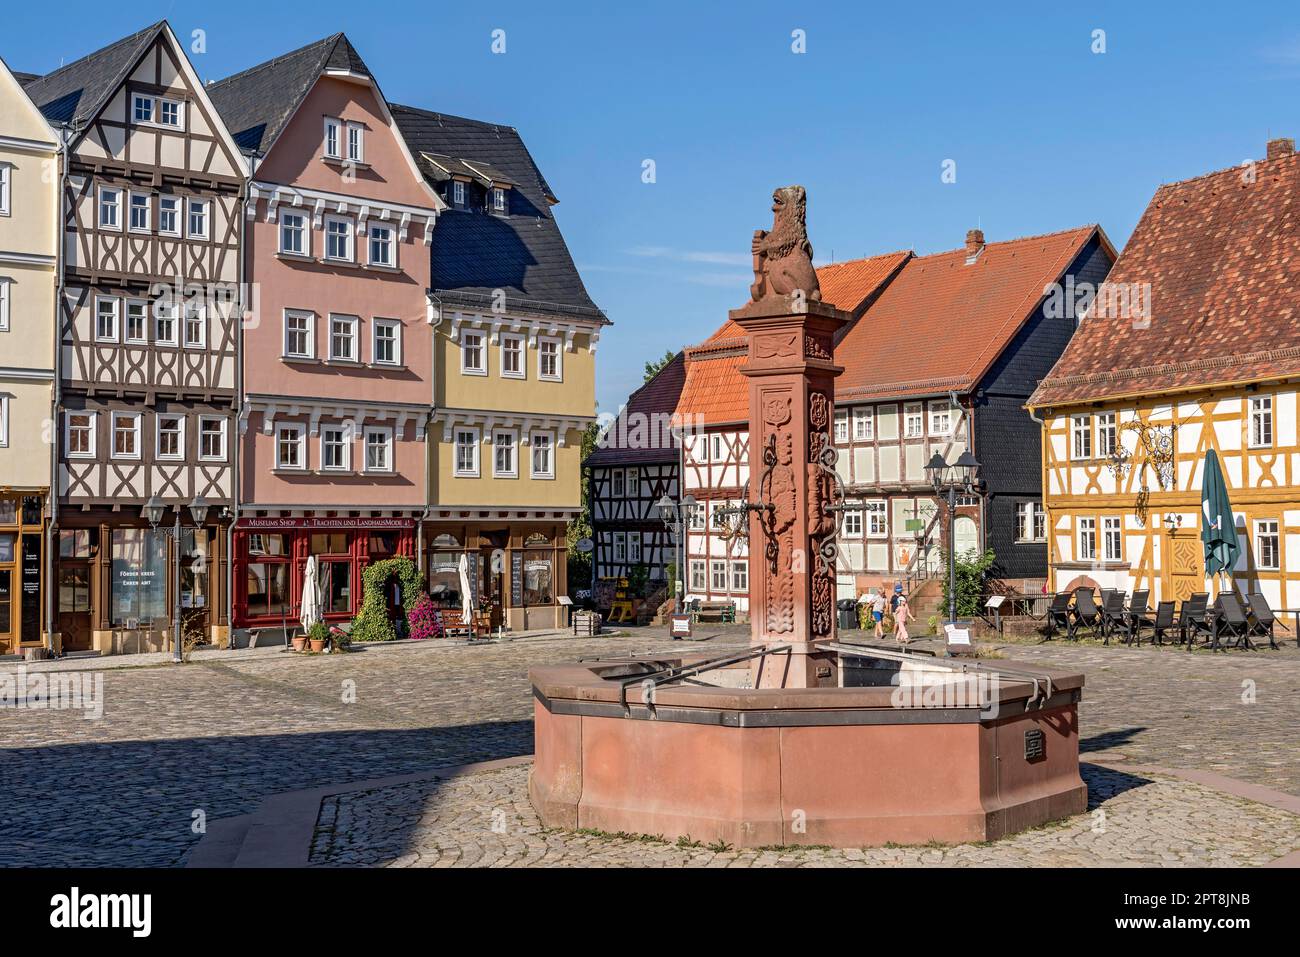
point(31, 578)
point(517, 578)
point(322, 523)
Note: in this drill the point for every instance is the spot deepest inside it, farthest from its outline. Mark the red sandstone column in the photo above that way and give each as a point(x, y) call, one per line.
point(791, 398)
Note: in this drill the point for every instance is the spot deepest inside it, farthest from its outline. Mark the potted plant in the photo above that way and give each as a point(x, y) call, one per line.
point(317, 636)
point(299, 642)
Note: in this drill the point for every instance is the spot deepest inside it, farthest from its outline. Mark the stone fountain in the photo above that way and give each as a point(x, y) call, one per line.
point(802, 739)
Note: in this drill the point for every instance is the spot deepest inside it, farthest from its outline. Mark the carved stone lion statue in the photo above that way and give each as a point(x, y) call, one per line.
point(783, 256)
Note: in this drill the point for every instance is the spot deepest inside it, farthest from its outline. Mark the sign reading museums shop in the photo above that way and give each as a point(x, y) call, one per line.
point(324, 523)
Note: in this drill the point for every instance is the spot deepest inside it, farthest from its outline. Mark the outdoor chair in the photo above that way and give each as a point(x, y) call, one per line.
point(1139, 616)
point(1263, 619)
point(1165, 622)
point(1058, 613)
point(1086, 613)
point(1194, 619)
point(1114, 619)
point(1232, 622)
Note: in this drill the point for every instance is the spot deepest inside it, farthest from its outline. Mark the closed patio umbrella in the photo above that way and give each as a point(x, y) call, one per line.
point(1219, 530)
point(310, 611)
point(466, 599)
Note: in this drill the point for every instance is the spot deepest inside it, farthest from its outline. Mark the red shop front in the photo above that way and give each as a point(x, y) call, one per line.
point(271, 558)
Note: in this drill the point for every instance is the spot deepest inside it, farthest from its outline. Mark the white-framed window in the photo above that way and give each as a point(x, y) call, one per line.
point(157, 111)
point(6, 189)
point(618, 484)
point(543, 444)
point(110, 207)
point(126, 435)
point(699, 575)
point(356, 143)
point(941, 418)
point(505, 454)
point(466, 464)
point(1087, 544)
point(338, 238)
point(1031, 522)
point(740, 576)
point(458, 192)
point(853, 524)
point(1107, 434)
point(913, 421)
point(299, 335)
point(699, 517)
point(143, 108)
point(291, 447)
point(550, 367)
point(634, 548)
point(171, 436)
point(1268, 545)
point(343, 338)
point(137, 321)
point(169, 113)
point(295, 237)
point(633, 483)
point(164, 323)
point(716, 449)
point(512, 356)
point(6, 295)
point(473, 354)
point(106, 315)
point(212, 438)
point(333, 140)
point(863, 424)
point(4, 421)
point(841, 433)
point(1081, 437)
point(717, 575)
point(1112, 538)
point(197, 221)
point(196, 324)
point(877, 518)
point(498, 199)
point(141, 206)
point(619, 541)
point(379, 449)
point(169, 215)
point(79, 435)
point(1261, 421)
point(386, 347)
point(335, 448)
point(383, 251)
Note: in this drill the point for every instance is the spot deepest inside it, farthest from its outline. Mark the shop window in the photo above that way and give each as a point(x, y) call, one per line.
point(74, 589)
point(444, 578)
point(329, 543)
point(6, 599)
point(268, 588)
point(8, 511)
point(7, 540)
point(78, 543)
point(194, 568)
point(336, 587)
point(382, 545)
point(538, 578)
point(138, 577)
point(269, 545)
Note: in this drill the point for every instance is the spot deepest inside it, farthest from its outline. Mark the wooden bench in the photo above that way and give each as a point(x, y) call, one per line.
point(723, 612)
point(452, 623)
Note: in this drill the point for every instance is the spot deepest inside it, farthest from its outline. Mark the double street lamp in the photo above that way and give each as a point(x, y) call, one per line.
point(676, 516)
point(961, 476)
point(153, 512)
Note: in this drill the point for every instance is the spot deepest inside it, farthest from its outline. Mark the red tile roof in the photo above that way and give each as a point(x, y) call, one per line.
point(942, 323)
point(717, 392)
point(1222, 257)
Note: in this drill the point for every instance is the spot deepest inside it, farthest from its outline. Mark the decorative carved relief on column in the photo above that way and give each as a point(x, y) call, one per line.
point(784, 498)
point(821, 521)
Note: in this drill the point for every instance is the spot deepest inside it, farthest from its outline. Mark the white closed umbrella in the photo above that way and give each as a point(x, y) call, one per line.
point(466, 599)
point(310, 613)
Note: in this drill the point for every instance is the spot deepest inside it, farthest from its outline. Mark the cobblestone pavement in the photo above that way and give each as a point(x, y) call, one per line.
point(217, 738)
point(485, 820)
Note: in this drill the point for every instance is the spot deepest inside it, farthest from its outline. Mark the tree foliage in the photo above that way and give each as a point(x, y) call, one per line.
point(654, 366)
point(972, 572)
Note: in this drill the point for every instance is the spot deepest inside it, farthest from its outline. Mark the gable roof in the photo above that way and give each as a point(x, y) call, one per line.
point(258, 103)
point(658, 397)
point(715, 390)
point(1222, 256)
point(75, 93)
point(475, 253)
point(944, 321)
point(38, 118)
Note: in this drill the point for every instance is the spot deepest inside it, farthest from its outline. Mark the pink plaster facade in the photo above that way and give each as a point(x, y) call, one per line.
point(315, 391)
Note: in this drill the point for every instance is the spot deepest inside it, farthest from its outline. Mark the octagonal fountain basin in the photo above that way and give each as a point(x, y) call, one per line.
point(893, 747)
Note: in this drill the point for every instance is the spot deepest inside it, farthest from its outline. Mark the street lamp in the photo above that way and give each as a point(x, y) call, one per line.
point(960, 475)
point(152, 513)
point(676, 516)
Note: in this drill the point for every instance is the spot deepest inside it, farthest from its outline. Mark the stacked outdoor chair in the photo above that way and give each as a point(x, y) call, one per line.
point(1058, 613)
point(1262, 619)
point(1114, 618)
point(1194, 619)
point(1086, 613)
point(1166, 621)
point(1233, 622)
point(1139, 616)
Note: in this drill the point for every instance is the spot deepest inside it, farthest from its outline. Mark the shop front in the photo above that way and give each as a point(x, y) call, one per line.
point(271, 559)
point(22, 577)
point(512, 574)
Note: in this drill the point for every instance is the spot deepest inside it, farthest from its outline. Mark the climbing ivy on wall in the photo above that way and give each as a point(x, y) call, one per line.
point(371, 623)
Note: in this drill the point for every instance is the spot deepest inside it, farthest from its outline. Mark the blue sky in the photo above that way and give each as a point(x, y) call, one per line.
point(1045, 133)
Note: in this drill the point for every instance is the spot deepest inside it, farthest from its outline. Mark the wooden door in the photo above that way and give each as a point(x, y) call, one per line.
point(74, 605)
point(1184, 572)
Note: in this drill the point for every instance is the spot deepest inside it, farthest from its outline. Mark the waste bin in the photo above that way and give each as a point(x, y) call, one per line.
point(848, 608)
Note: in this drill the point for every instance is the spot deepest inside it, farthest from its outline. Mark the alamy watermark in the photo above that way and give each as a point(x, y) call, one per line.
point(53, 691)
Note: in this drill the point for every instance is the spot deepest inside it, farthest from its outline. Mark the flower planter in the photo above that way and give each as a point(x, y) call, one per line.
point(299, 643)
point(316, 646)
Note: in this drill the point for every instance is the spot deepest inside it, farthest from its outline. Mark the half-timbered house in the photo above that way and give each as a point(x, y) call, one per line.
point(149, 334)
point(1193, 346)
point(634, 465)
point(338, 367)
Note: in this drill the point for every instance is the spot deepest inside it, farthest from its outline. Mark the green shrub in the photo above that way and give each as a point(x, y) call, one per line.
point(972, 570)
point(371, 623)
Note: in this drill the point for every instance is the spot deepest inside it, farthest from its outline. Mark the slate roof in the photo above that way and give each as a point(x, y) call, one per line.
point(475, 253)
point(24, 78)
point(257, 103)
point(75, 93)
point(716, 391)
point(657, 397)
point(943, 321)
point(1222, 256)
point(440, 168)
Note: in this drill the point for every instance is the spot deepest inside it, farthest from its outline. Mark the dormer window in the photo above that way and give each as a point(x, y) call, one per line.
point(458, 193)
point(333, 138)
point(498, 199)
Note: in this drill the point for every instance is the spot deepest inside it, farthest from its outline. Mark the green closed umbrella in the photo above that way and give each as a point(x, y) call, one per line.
point(1219, 530)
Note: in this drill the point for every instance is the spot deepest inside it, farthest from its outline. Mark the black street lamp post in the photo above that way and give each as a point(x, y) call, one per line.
point(676, 517)
point(153, 511)
point(963, 476)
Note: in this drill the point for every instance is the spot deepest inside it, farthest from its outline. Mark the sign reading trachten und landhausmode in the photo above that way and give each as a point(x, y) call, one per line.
point(255, 524)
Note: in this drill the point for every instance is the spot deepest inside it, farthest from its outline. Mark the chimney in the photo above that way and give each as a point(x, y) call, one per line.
point(974, 244)
point(1280, 147)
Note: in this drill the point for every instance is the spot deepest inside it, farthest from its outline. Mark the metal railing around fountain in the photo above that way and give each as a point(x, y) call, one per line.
point(1040, 681)
point(654, 679)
